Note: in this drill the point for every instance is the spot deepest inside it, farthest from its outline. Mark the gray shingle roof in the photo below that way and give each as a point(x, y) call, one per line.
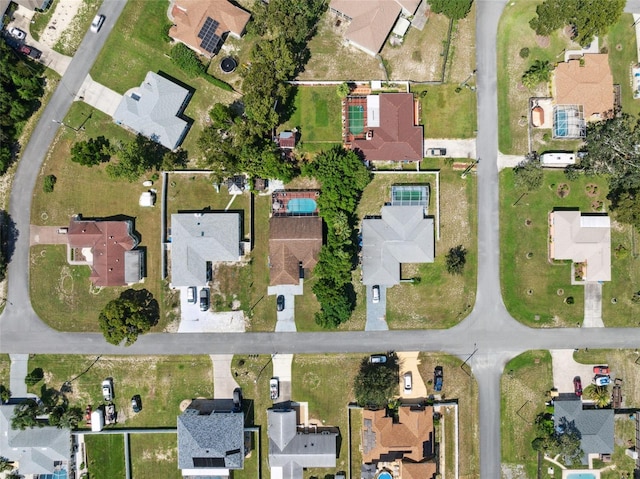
point(293, 450)
point(218, 437)
point(595, 425)
point(401, 235)
point(153, 109)
point(35, 449)
point(196, 239)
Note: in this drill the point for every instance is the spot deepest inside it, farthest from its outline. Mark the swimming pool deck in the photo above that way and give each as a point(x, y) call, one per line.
point(281, 198)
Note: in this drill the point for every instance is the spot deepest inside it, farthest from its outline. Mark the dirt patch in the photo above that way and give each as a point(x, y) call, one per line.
point(591, 190)
point(543, 42)
point(563, 190)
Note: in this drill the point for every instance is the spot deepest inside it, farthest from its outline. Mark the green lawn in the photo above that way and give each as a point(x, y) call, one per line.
point(622, 55)
point(154, 455)
point(40, 20)
point(525, 383)
point(5, 368)
point(445, 113)
point(105, 456)
point(532, 287)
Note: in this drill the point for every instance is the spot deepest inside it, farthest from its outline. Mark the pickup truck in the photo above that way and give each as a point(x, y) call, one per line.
point(30, 51)
point(438, 378)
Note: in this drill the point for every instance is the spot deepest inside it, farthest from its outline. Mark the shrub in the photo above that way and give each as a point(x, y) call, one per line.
point(217, 82)
point(524, 53)
point(49, 182)
point(187, 60)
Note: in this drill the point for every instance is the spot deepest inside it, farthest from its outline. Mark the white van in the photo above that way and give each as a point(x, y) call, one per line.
point(407, 382)
point(376, 294)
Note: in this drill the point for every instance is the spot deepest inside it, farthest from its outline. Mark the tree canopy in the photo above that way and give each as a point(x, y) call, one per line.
point(589, 18)
point(456, 259)
point(454, 9)
point(91, 152)
point(136, 157)
point(377, 384)
point(528, 174)
point(128, 316)
point(539, 72)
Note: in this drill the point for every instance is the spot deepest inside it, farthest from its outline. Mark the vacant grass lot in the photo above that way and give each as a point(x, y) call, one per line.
point(514, 34)
point(135, 46)
point(422, 305)
point(154, 455)
point(73, 35)
point(105, 456)
point(533, 289)
point(462, 50)
point(445, 113)
point(623, 54)
point(64, 297)
point(525, 383)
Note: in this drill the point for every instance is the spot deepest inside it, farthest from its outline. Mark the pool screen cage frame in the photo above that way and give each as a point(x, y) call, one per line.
point(574, 122)
point(398, 190)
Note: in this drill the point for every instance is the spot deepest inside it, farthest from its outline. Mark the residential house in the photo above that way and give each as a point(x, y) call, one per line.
point(595, 426)
point(198, 240)
point(371, 21)
point(108, 247)
point(202, 25)
point(294, 245)
point(585, 239)
point(402, 234)
point(210, 441)
point(33, 5)
point(286, 140)
point(40, 450)
point(155, 110)
point(405, 443)
point(292, 449)
point(384, 127)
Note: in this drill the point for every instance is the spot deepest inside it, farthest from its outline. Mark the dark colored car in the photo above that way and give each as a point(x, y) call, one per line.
point(204, 299)
point(577, 386)
point(603, 370)
point(136, 403)
point(237, 400)
point(438, 378)
point(437, 151)
point(30, 51)
point(280, 302)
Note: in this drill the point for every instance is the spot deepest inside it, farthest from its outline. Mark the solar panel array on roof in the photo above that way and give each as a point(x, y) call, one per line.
point(208, 35)
point(208, 462)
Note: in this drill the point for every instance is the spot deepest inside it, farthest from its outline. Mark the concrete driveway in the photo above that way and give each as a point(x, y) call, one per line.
point(408, 362)
point(98, 96)
point(223, 381)
point(565, 369)
point(192, 320)
point(376, 312)
point(282, 371)
point(593, 305)
point(455, 148)
point(286, 321)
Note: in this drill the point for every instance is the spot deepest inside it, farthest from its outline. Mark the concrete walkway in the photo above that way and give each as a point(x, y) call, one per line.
point(223, 382)
point(17, 374)
point(593, 305)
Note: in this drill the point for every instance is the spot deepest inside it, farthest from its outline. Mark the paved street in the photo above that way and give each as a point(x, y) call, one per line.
point(487, 339)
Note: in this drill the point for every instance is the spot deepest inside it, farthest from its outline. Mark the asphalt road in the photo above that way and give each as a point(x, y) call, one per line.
point(487, 339)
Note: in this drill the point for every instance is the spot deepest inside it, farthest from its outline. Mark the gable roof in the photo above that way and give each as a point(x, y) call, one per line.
point(200, 237)
point(293, 239)
point(109, 242)
point(411, 438)
point(594, 425)
point(396, 137)
point(582, 238)
point(153, 110)
point(589, 84)
point(401, 235)
point(292, 449)
point(35, 449)
point(210, 441)
point(189, 17)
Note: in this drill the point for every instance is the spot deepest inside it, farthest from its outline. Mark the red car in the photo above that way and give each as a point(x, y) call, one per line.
point(577, 386)
point(604, 370)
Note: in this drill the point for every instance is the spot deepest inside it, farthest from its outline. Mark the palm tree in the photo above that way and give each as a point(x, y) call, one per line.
point(599, 394)
point(5, 464)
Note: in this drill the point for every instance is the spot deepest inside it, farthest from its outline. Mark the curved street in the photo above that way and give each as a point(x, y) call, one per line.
point(487, 339)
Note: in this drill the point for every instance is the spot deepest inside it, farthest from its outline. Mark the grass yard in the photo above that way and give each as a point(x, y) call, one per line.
point(317, 115)
point(525, 383)
point(163, 382)
point(460, 386)
point(445, 113)
point(533, 289)
point(462, 50)
point(40, 20)
point(5, 369)
point(64, 297)
point(136, 46)
point(623, 54)
point(154, 455)
point(105, 456)
point(355, 420)
point(417, 306)
point(73, 35)
point(514, 34)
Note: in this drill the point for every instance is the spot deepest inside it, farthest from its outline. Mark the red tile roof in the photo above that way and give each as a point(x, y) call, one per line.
point(108, 241)
point(397, 138)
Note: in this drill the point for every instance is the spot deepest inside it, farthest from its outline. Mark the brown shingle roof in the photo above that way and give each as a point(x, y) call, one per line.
point(190, 15)
point(590, 85)
point(397, 138)
point(293, 239)
point(108, 241)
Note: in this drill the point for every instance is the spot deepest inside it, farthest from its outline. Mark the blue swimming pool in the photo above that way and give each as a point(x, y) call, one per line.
point(581, 475)
point(560, 124)
point(384, 475)
point(61, 474)
point(301, 206)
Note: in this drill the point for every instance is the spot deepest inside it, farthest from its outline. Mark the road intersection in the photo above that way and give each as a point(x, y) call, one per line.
point(487, 338)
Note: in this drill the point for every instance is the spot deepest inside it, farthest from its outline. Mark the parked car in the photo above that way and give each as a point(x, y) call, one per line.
point(376, 294)
point(577, 386)
point(438, 378)
point(110, 414)
point(30, 51)
point(378, 359)
point(16, 32)
point(191, 294)
point(97, 22)
point(136, 403)
point(274, 388)
point(204, 299)
point(408, 384)
point(602, 370)
point(107, 390)
point(280, 302)
point(436, 152)
point(601, 380)
point(237, 400)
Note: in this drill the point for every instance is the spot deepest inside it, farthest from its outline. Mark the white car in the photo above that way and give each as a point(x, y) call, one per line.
point(107, 389)
point(274, 388)
point(408, 384)
point(16, 32)
point(97, 22)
